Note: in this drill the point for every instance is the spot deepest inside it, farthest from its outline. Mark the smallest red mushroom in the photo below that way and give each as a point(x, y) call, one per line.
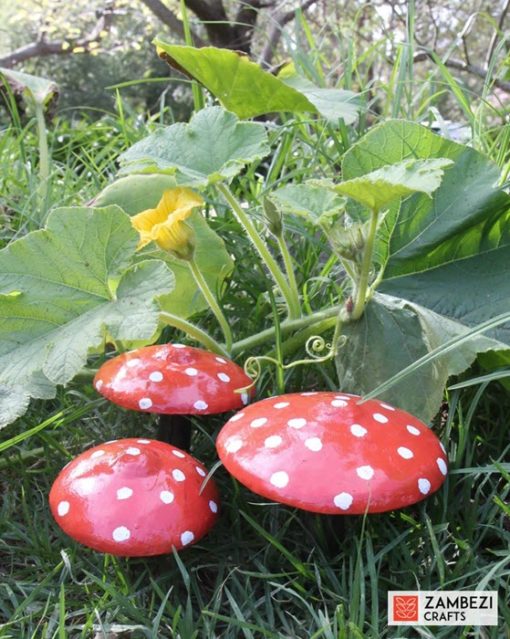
point(133, 498)
point(173, 379)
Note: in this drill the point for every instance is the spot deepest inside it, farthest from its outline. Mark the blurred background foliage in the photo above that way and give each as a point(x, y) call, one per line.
point(89, 46)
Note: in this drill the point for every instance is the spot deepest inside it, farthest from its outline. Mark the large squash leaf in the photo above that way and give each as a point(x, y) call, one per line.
point(136, 193)
point(213, 147)
point(63, 291)
point(244, 88)
point(444, 258)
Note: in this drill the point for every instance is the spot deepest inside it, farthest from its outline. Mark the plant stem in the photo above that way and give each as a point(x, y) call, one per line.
point(270, 262)
point(211, 300)
point(193, 331)
point(287, 260)
point(44, 162)
point(286, 326)
point(366, 265)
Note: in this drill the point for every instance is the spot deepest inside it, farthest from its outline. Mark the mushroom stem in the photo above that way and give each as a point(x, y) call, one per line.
point(175, 430)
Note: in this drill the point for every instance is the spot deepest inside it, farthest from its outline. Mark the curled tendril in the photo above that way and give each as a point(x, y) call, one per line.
point(314, 346)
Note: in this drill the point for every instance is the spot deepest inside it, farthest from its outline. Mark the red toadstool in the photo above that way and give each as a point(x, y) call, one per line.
point(134, 498)
point(173, 379)
point(327, 453)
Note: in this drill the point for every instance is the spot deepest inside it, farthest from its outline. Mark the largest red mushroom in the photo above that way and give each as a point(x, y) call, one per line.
point(328, 453)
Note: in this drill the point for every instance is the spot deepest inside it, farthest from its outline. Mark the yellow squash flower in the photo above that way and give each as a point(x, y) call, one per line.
point(165, 224)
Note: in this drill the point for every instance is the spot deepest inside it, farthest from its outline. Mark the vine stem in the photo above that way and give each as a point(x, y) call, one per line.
point(289, 268)
point(286, 326)
point(44, 161)
point(362, 284)
point(292, 305)
point(193, 331)
point(211, 300)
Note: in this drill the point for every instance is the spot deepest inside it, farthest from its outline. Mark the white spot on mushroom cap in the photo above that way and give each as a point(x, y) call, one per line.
point(156, 376)
point(63, 508)
point(200, 471)
point(365, 472)
point(313, 443)
point(279, 479)
point(178, 453)
point(96, 454)
point(213, 506)
point(405, 453)
point(121, 534)
point(297, 422)
point(281, 405)
point(187, 537)
point(245, 398)
point(191, 372)
point(273, 441)
point(145, 402)
point(441, 464)
point(236, 417)
point(132, 450)
point(131, 363)
point(223, 377)
point(442, 447)
point(339, 403)
point(344, 397)
point(200, 405)
point(143, 441)
point(358, 431)
point(166, 496)
point(99, 384)
point(308, 394)
point(413, 430)
point(178, 475)
point(124, 493)
point(343, 501)
point(233, 444)
point(424, 485)
point(382, 419)
point(257, 423)
point(220, 360)
point(387, 406)
point(179, 345)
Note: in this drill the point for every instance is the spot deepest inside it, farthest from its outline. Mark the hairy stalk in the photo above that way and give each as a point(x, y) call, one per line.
point(44, 159)
point(211, 300)
point(193, 331)
point(268, 259)
point(366, 265)
point(289, 269)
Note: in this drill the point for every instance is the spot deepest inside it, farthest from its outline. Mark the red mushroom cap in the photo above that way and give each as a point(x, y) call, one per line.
point(173, 379)
point(134, 498)
point(326, 453)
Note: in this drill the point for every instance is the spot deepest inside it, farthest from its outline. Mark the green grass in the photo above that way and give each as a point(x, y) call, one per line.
point(265, 570)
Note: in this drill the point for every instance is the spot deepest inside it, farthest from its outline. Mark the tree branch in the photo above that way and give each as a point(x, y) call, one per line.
point(62, 47)
point(473, 69)
point(276, 32)
point(168, 18)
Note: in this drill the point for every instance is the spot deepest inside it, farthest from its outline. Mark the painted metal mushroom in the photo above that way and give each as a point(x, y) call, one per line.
point(327, 453)
point(134, 498)
point(173, 379)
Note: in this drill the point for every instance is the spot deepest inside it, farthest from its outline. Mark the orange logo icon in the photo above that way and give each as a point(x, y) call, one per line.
point(405, 608)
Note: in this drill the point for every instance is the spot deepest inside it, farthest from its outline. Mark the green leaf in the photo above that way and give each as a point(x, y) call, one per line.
point(78, 289)
point(445, 258)
point(467, 214)
point(392, 334)
point(213, 147)
point(248, 91)
point(316, 202)
point(136, 193)
point(34, 89)
point(378, 189)
point(332, 104)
